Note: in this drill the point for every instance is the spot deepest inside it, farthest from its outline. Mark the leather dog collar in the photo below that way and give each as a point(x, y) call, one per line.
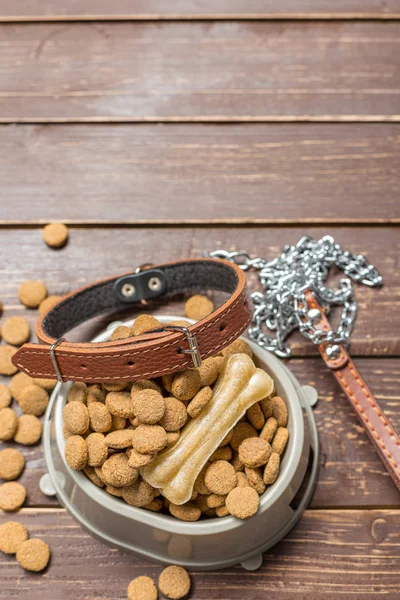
point(148, 355)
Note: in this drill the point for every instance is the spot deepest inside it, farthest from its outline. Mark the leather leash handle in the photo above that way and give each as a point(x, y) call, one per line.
point(377, 425)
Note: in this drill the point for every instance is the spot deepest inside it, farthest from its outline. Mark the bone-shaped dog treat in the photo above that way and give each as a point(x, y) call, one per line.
point(239, 386)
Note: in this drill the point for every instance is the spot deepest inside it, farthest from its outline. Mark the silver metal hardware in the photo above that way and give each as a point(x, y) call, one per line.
point(54, 358)
point(314, 315)
point(282, 307)
point(143, 267)
point(333, 351)
point(128, 290)
point(191, 339)
point(154, 284)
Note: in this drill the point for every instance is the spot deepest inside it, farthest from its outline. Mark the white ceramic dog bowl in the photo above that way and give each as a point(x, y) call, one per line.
point(210, 544)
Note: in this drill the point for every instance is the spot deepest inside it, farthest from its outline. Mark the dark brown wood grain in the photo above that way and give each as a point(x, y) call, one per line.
point(170, 173)
point(30, 10)
point(202, 71)
point(351, 474)
point(97, 253)
point(329, 555)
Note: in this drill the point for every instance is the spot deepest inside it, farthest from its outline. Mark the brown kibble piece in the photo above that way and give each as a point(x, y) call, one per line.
point(269, 429)
point(121, 333)
point(33, 400)
point(172, 437)
point(99, 417)
point(222, 511)
point(148, 439)
point(199, 484)
point(185, 512)
point(117, 423)
point(77, 392)
point(242, 480)
point(114, 491)
point(180, 323)
point(117, 472)
point(8, 424)
point(138, 494)
point(175, 414)
point(243, 502)
point(280, 440)
point(236, 462)
point(119, 439)
point(32, 293)
point(255, 479)
point(198, 307)
point(266, 407)
point(145, 323)
point(76, 453)
point(48, 303)
point(186, 384)
point(97, 449)
point(92, 475)
point(15, 331)
point(239, 346)
point(5, 396)
point(201, 399)
point(224, 453)
point(33, 555)
point(12, 496)
point(271, 470)
point(148, 406)
point(95, 395)
point(29, 430)
point(240, 432)
point(46, 384)
point(145, 384)
point(138, 460)
point(167, 381)
point(226, 439)
point(18, 383)
point(174, 582)
point(279, 411)
point(142, 588)
point(6, 365)
point(254, 452)
point(12, 464)
point(210, 369)
point(120, 404)
point(55, 234)
point(12, 534)
point(214, 500)
point(116, 386)
point(220, 477)
point(76, 417)
point(256, 416)
point(155, 505)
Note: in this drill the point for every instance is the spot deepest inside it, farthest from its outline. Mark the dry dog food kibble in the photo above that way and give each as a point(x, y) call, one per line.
point(239, 346)
point(97, 449)
point(175, 414)
point(137, 459)
point(186, 384)
point(209, 370)
point(185, 512)
point(55, 234)
point(5, 396)
point(254, 452)
point(138, 494)
point(12, 464)
point(242, 502)
point(12, 496)
point(8, 424)
point(271, 470)
point(33, 400)
point(241, 432)
point(142, 588)
point(33, 555)
point(78, 392)
point(148, 406)
point(120, 404)
point(46, 384)
point(76, 453)
point(121, 333)
point(100, 418)
point(145, 323)
point(76, 417)
point(174, 582)
point(6, 354)
point(12, 534)
point(15, 331)
point(269, 429)
point(256, 416)
point(198, 307)
point(18, 383)
point(279, 411)
point(117, 472)
point(220, 477)
point(29, 430)
point(255, 479)
point(199, 402)
point(119, 439)
point(32, 293)
point(48, 303)
point(280, 440)
point(148, 439)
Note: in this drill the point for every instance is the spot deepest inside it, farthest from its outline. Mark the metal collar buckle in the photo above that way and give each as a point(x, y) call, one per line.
point(191, 339)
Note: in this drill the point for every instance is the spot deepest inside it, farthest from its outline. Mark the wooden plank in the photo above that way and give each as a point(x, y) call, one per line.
point(266, 173)
point(96, 253)
point(28, 10)
point(329, 554)
point(202, 71)
point(351, 474)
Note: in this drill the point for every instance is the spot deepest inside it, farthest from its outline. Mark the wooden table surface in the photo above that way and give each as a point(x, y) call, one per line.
point(159, 130)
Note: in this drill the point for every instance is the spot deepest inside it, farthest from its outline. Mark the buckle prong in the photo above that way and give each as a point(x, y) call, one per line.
point(193, 349)
point(54, 358)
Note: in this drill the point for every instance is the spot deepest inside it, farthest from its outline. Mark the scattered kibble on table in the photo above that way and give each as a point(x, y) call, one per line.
point(55, 235)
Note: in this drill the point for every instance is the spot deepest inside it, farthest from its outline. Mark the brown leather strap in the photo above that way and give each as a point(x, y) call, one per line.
point(377, 425)
point(145, 356)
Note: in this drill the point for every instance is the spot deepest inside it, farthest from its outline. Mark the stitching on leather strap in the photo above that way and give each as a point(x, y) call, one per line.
point(372, 428)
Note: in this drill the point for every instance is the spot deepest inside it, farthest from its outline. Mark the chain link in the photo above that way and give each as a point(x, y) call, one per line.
point(282, 307)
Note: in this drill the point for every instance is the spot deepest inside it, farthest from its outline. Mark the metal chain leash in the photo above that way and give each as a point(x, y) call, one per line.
point(300, 268)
